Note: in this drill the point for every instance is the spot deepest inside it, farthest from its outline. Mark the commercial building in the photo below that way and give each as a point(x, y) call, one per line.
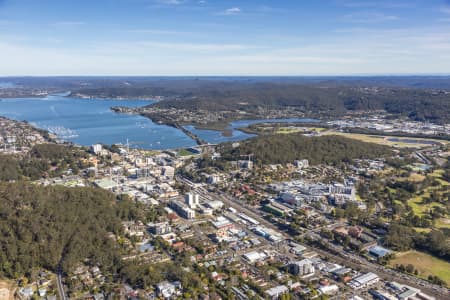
point(222, 223)
point(273, 210)
point(277, 209)
point(165, 289)
point(182, 209)
point(245, 164)
point(379, 251)
point(341, 194)
point(214, 178)
point(206, 211)
point(248, 219)
point(159, 228)
point(143, 172)
point(382, 295)
point(406, 292)
point(168, 171)
point(329, 289)
point(364, 280)
point(302, 267)
point(355, 231)
point(300, 164)
point(192, 200)
point(276, 292)
point(268, 233)
point(356, 297)
point(97, 149)
point(106, 183)
point(290, 198)
point(215, 204)
point(254, 256)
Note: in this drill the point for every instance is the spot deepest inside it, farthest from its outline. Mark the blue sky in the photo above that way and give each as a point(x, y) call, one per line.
point(207, 37)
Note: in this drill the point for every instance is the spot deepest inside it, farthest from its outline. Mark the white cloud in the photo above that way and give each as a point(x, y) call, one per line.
point(7, 23)
point(68, 23)
point(377, 4)
point(358, 4)
point(371, 17)
point(232, 11)
point(258, 11)
point(171, 2)
point(156, 31)
point(445, 9)
point(293, 58)
point(195, 47)
point(265, 9)
point(351, 51)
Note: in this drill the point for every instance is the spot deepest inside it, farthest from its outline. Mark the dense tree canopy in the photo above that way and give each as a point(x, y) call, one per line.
point(286, 148)
point(327, 100)
point(41, 159)
point(46, 226)
point(403, 238)
point(54, 152)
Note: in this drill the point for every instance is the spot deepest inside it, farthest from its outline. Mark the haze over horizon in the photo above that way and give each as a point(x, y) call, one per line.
point(206, 37)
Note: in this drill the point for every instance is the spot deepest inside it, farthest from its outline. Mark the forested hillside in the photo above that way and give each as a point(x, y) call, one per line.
point(416, 104)
point(43, 159)
point(43, 226)
point(419, 98)
point(285, 148)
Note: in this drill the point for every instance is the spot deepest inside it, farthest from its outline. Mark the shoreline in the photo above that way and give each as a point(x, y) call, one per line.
point(75, 97)
point(224, 127)
point(160, 121)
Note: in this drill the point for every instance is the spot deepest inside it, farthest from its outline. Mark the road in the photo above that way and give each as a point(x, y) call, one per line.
point(422, 157)
point(238, 205)
point(61, 293)
point(350, 260)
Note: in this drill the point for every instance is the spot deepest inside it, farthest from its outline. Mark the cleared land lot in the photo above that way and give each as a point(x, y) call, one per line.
point(7, 289)
point(293, 129)
point(420, 208)
point(424, 263)
point(400, 142)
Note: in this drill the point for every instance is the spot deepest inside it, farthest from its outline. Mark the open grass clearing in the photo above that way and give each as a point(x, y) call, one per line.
point(294, 129)
point(443, 223)
point(422, 230)
point(413, 177)
point(416, 177)
point(419, 207)
point(7, 289)
point(426, 264)
point(384, 140)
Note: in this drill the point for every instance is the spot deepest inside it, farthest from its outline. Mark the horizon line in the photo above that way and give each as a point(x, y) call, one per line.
point(245, 76)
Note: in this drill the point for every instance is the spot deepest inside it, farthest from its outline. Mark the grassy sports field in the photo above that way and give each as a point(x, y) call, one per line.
point(424, 263)
point(383, 140)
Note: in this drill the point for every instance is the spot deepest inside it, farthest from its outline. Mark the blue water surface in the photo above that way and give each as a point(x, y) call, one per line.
point(215, 137)
point(90, 121)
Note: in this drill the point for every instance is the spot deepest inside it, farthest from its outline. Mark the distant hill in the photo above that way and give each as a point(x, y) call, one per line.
point(417, 97)
point(88, 82)
point(417, 104)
